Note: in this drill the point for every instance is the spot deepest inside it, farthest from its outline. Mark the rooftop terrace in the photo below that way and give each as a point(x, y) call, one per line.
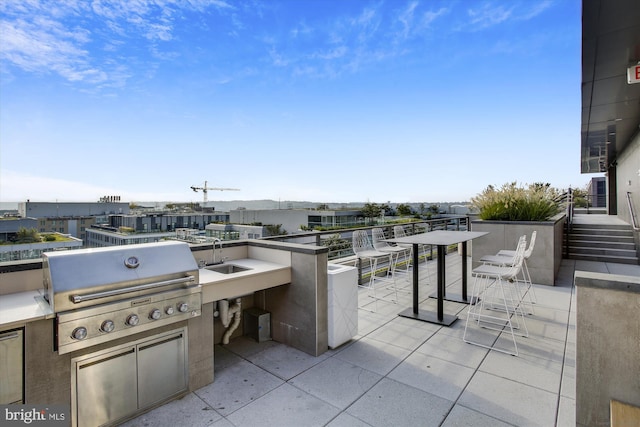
point(400, 371)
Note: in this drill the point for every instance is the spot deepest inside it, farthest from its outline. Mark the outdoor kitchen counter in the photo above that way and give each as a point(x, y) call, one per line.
point(23, 307)
point(261, 275)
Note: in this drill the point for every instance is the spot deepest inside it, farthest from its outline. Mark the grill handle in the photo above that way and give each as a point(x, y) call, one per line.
point(87, 297)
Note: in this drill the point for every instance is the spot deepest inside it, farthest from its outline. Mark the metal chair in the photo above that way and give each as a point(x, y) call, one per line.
point(507, 257)
point(525, 267)
point(381, 245)
point(396, 252)
point(398, 231)
point(493, 293)
point(364, 250)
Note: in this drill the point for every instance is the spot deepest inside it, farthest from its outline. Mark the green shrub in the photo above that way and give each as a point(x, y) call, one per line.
point(536, 202)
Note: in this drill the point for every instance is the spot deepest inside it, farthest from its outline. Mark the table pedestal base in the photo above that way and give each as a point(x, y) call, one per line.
point(428, 316)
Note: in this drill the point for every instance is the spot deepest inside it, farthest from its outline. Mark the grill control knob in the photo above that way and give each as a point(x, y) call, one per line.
point(132, 320)
point(79, 333)
point(155, 314)
point(107, 326)
point(183, 307)
point(169, 310)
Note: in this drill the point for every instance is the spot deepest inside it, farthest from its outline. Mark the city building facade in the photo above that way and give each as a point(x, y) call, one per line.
point(294, 220)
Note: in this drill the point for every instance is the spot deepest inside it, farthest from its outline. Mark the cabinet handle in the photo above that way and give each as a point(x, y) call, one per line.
point(9, 336)
point(176, 337)
point(115, 356)
point(78, 298)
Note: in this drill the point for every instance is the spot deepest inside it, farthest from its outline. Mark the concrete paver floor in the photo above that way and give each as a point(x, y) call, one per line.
point(400, 371)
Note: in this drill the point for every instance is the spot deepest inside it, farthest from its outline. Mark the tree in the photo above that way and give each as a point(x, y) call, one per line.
point(370, 211)
point(580, 197)
point(404, 209)
point(30, 235)
point(387, 209)
point(322, 207)
point(275, 230)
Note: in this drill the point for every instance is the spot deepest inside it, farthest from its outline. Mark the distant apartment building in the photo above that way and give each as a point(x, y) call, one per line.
point(292, 220)
point(75, 227)
point(152, 227)
point(70, 218)
point(9, 226)
point(11, 251)
point(55, 209)
point(158, 222)
point(102, 236)
point(235, 231)
point(597, 192)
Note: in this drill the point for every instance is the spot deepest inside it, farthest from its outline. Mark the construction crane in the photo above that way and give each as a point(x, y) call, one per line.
point(206, 189)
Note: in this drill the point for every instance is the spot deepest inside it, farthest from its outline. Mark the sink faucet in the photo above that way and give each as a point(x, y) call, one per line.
point(219, 242)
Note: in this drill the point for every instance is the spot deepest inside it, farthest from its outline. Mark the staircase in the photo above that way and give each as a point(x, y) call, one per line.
point(603, 243)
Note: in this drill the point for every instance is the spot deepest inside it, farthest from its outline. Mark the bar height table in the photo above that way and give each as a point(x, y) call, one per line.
point(442, 239)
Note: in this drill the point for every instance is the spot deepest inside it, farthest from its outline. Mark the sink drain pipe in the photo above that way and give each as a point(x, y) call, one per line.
point(227, 314)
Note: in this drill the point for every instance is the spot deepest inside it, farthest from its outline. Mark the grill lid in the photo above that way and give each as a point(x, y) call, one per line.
point(107, 269)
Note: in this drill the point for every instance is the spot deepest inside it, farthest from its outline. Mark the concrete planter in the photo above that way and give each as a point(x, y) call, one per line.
point(545, 260)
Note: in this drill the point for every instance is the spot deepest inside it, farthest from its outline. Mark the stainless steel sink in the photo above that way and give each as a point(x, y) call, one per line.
point(226, 268)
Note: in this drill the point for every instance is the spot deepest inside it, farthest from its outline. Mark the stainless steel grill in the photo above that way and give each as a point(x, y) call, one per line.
point(102, 294)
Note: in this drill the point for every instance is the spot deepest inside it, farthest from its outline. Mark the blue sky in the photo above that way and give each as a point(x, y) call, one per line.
point(318, 100)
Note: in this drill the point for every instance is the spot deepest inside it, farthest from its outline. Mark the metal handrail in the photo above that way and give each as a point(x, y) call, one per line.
point(570, 207)
point(566, 199)
point(632, 213)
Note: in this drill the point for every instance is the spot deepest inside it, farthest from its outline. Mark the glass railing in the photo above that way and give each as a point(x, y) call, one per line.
point(339, 241)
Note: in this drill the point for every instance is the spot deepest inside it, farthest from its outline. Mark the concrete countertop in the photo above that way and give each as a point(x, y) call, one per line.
point(261, 275)
point(20, 308)
point(23, 307)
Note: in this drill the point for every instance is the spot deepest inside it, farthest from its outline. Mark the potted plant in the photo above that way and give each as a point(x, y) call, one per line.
point(510, 211)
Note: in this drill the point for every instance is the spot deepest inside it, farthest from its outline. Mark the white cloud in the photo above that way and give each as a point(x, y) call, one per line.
point(277, 58)
point(333, 53)
point(366, 24)
point(40, 45)
point(488, 16)
point(430, 16)
point(44, 36)
point(413, 22)
point(406, 19)
point(536, 10)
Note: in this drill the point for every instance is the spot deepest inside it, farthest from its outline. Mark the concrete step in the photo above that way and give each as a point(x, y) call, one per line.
point(602, 232)
point(601, 226)
point(603, 258)
point(601, 238)
point(623, 253)
point(605, 244)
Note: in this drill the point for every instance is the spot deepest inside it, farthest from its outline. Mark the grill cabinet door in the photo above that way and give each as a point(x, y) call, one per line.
point(11, 367)
point(162, 369)
point(106, 387)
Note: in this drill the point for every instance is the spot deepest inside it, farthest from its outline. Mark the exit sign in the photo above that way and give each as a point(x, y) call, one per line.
point(633, 74)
